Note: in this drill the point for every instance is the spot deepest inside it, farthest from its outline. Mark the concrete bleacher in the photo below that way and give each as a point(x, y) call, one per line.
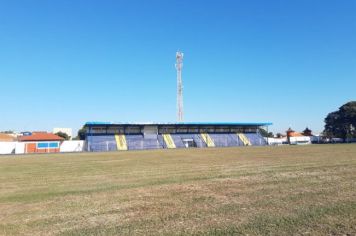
point(161, 141)
point(102, 143)
point(140, 142)
point(151, 143)
point(177, 139)
point(225, 139)
point(237, 139)
point(134, 142)
point(195, 137)
point(108, 136)
point(256, 139)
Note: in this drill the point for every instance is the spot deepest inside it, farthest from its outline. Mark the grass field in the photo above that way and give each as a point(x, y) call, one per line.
point(287, 190)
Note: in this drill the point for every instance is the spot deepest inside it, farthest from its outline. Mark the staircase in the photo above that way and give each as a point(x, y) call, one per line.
point(244, 139)
point(121, 142)
point(207, 139)
point(169, 141)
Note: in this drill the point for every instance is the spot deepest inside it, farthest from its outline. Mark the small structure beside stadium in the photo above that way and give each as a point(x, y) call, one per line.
point(105, 136)
point(295, 138)
point(41, 142)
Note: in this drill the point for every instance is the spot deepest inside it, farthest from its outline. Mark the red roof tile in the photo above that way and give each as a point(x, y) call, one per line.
point(40, 136)
point(295, 134)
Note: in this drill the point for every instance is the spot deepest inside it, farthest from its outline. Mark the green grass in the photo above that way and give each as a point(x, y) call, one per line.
point(287, 190)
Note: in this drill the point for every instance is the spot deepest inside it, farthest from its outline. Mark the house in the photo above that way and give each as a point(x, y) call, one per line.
point(41, 142)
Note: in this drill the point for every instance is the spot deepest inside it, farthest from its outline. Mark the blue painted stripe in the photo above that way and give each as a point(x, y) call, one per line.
point(42, 145)
point(48, 145)
point(53, 145)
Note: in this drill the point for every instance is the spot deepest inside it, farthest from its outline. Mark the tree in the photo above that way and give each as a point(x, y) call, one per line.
point(7, 132)
point(81, 134)
point(342, 123)
point(63, 135)
point(264, 133)
point(307, 132)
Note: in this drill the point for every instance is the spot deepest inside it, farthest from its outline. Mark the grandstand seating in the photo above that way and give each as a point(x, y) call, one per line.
point(139, 142)
point(224, 140)
point(107, 136)
point(161, 141)
point(101, 143)
point(151, 143)
point(134, 141)
point(236, 139)
point(256, 139)
point(196, 138)
point(177, 140)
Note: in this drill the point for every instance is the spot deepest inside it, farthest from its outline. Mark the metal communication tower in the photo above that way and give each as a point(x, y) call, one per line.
point(179, 66)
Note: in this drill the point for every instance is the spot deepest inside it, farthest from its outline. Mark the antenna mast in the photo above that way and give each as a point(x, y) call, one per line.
point(179, 66)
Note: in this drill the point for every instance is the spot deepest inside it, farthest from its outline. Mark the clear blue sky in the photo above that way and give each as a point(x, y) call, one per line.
point(66, 62)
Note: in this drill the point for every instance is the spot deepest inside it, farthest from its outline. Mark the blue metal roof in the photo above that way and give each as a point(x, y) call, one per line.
point(226, 123)
point(184, 123)
point(98, 123)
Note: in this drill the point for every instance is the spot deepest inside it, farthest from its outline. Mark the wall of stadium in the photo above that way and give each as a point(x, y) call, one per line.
point(7, 147)
point(72, 146)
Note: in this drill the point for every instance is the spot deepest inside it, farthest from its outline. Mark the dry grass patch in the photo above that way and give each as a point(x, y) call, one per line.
point(269, 190)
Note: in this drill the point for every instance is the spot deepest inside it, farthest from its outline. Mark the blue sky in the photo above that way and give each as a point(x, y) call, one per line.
point(66, 62)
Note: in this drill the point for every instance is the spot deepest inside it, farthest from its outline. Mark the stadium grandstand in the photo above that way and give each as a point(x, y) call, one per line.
point(104, 136)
